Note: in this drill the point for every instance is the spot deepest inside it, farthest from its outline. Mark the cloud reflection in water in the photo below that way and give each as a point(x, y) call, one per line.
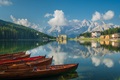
point(106, 61)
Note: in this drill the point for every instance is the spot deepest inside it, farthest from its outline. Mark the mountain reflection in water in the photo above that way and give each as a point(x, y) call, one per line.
point(97, 60)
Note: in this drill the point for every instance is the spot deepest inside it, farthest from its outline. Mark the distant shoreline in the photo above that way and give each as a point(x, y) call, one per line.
point(96, 39)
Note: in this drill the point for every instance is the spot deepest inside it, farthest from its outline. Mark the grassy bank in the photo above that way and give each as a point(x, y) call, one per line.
point(87, 39)
point(95, 39)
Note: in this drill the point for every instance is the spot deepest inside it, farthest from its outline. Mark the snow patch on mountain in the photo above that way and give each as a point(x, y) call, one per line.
point(75, 27)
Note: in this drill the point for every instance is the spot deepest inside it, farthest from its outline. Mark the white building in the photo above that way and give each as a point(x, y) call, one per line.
point(116, 35)
point(62, 37)
point(96, 34)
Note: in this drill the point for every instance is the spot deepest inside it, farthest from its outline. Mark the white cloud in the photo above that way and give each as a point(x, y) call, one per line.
point(76, 20)
point(98, 16)
point(48, 15)
point(57, 21)
point(5, 2)
point(26, 23)
point(95, 61)
point(34, 26)
point(23, 22)
point(108, 15)
point(108, 62)
point(14, 19)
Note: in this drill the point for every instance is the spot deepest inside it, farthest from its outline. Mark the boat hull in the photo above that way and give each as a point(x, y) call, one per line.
point(38, 73)
point(20, 60)
point(11, 56)
point(25, 65)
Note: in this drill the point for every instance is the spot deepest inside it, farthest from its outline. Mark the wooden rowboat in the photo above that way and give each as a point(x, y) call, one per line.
point(14, 54)
point(27, 65)
point(15, 57)
point(3, 62)
point(11, 56)
point(39, 71)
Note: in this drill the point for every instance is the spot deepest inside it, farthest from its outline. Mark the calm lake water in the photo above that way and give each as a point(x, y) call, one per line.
point(97, 60)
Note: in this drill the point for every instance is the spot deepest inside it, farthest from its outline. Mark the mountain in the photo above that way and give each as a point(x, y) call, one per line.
point(10, 30)
point(76, 27)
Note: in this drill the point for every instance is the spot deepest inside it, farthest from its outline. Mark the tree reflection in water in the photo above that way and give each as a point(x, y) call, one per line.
point(97, 61)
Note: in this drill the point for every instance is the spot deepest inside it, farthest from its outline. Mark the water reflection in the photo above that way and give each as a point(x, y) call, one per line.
point(18, 46)
point(95, 44)
point(62, 53)
point(106, 61)
point(59, 56)
point(68, 76)
point(96, 59)
point(115, 44)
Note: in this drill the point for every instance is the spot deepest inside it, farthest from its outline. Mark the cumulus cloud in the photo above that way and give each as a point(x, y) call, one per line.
point(98, 16)
point(34, 26)
point(5, 2)
point(108, 15)
point(95, 61)
point(48, 15)
point(23, 22)
point(57, 21)
point(108, 62)
point(76, 20)
point(26, 23)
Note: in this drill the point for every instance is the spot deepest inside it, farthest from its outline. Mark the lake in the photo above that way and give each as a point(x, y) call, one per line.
point(97, 60)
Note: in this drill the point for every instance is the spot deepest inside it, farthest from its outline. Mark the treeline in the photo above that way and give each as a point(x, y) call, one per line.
point(111, 31)
point(13, 31)
point(106, 32)
point(87, 34)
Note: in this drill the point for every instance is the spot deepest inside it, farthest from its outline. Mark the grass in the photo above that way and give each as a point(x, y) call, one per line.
point(88, 39)
point(94, 39)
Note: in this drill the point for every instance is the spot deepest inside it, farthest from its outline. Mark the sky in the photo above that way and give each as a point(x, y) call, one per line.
point(40, 13)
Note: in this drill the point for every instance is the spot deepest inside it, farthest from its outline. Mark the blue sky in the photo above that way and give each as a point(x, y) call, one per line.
point(35, 10)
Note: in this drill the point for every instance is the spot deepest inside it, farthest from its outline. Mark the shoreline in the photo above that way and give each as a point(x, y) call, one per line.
point(95, 39)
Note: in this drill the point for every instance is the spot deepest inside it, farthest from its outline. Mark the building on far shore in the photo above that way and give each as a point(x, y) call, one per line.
point(62, 39)
point(102, 37)
point(95, 34)
point(107, 37)
point(62, 42)
point(116, 36)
